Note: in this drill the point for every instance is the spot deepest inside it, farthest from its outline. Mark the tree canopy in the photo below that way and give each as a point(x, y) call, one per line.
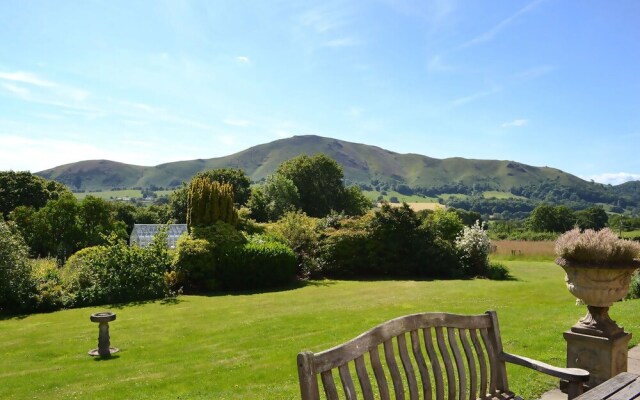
point(26, 189)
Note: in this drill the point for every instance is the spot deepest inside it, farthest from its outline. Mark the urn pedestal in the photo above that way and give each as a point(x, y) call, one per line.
point(596, 343)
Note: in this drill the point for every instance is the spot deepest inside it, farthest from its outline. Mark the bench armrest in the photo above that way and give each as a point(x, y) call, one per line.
point(569, 374)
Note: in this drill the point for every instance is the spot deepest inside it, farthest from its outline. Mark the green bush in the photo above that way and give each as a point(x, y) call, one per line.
point(498, 272)
point(194, 263)
point(51, 294)
point(261, 263)
point(300, 233)
point(17, 289)
point(345, 253)
point(116, 273)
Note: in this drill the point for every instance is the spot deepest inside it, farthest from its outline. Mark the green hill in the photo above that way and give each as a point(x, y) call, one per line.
point(362, 164)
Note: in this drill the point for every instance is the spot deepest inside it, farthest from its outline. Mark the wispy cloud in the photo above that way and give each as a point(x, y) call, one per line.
point(25, 77)
point(32, 88)
point(342, 42)
point(614, 178)
point(436, 64)
point(493, 31)
point(243, 59)
point(473, 97)
point(356, 112)
point(516, 123)
point(534, 72)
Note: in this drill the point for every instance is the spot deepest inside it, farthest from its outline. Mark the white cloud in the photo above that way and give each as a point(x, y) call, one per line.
point(237, 122)
point(17, 90)
point(491, 33)
point(25, 77)
point(534, 72)
point(515, 123)
point(243, 59)
point(473, 97)
point(614, 178)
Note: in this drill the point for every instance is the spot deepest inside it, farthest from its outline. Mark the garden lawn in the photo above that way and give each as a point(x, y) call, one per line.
point(245, 346)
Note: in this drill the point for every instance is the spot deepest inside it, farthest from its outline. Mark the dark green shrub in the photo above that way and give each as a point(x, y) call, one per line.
point(259, 264)
point(194, 263)
point(498, 272)
point(17, 289)
point(345, 253)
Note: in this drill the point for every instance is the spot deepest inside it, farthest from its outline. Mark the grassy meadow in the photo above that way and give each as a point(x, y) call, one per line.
point(114, 194)
point(523, 249)
point(244, 346)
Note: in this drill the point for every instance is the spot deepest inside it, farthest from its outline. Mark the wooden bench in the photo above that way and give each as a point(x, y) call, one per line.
point(424, 356)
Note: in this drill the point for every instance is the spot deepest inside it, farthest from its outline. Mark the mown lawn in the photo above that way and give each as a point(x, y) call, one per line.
point(244, 346)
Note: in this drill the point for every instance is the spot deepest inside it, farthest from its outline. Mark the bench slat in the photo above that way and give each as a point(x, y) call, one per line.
point(378, 371)
point(473, 375)
point(396, 379)
point(408, 367)
point(460, 367)
point(435, 363)
point(422, 365)
point(482, 362)
point(446, 359)
point(363, 378)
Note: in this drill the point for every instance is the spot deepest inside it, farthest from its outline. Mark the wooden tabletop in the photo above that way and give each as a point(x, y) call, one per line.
point(624, 386)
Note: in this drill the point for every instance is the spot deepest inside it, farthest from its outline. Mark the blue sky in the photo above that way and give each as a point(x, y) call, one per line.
point(547, 83)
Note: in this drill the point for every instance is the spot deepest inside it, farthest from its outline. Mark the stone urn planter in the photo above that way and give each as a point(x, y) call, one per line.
point(598, 286)
point(598, 267)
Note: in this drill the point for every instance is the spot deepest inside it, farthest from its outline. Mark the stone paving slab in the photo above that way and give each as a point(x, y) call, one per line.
point(633, 365)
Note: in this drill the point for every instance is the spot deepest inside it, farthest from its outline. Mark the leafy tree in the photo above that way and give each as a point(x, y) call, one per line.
point(319, 183)
point(547, 218)
point(355, 202)
point(94, 220)
point(592, 218)
point(272, 200)
point(26, 189)
point(446, 224)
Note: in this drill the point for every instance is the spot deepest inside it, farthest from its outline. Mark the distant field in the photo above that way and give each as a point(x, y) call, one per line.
point(518, 249)
point(420, 206)
point(447, 196)
point(111, 194)
point(373, 196)
point(114, 194)
point(500, 195)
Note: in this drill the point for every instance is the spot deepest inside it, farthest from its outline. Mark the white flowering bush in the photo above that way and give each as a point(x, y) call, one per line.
point(474, 246)
point(601, 247)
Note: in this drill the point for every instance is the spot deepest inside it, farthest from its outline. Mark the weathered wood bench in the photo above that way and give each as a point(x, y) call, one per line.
point(460, 355)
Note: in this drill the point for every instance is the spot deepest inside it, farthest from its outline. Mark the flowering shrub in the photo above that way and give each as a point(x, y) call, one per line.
point(474, 246)
point(595, 247)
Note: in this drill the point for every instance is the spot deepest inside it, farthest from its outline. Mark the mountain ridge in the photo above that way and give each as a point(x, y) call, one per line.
point(362, 164)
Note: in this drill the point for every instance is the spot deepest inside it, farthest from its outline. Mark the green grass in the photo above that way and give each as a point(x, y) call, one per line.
point(244, 346)
point(631, 234)
point(373, 195)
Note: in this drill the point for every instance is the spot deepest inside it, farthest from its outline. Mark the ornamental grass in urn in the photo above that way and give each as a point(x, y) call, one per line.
point(599, 266)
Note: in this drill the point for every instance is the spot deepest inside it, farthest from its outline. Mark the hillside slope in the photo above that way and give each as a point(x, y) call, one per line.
point(362, 164)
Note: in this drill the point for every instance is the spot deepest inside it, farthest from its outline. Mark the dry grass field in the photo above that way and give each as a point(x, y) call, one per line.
point(523, 249)
point(420, 206)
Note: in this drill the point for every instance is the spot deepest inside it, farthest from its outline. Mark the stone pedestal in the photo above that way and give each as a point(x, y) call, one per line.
point(603, 357)
point(104, 349)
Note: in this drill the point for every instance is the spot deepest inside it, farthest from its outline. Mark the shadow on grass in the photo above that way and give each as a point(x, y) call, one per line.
point(298, 284)
point(167, 301)
point(105, 358)
point(6, 317)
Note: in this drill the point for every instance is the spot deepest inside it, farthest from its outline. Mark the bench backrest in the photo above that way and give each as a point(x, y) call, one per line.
point(419, 356)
